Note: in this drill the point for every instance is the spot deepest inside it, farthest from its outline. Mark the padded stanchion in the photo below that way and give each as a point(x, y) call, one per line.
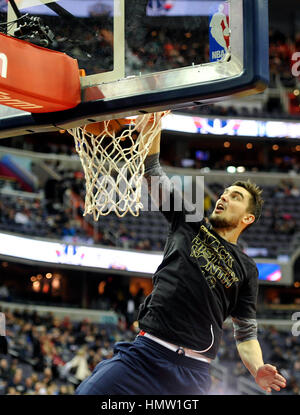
point(36, 79)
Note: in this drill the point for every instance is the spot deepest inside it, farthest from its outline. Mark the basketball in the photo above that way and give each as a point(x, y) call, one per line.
point(112, 126)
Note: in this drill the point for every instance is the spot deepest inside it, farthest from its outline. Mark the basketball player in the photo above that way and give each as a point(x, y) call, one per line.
point(203, 279)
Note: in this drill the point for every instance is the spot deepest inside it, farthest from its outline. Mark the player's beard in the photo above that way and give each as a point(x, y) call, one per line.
point(218, 222)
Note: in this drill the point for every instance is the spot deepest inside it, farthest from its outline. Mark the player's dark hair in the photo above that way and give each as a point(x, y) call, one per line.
point(256, 201)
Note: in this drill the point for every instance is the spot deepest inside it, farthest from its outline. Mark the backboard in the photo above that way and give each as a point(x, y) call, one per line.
point(142, 55)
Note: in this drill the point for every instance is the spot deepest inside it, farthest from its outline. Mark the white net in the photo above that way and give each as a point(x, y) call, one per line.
point(112, 154)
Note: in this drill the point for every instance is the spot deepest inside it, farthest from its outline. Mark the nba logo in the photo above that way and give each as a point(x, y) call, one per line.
point(219, 32)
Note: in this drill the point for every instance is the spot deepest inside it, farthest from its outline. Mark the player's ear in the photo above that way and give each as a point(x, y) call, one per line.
point(248, 219)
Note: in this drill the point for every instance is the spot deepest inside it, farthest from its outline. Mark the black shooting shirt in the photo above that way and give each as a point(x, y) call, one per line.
point(201, 281)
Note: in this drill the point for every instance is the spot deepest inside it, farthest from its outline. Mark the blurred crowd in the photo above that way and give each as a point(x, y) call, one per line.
point(59, 215)
point(164, 49)
point(277, 161)
point(51, 356)
point(56, 216)
point(282, 49)
point(280, 348)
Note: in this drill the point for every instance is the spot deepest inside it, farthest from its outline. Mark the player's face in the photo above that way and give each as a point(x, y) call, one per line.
point(231, 208)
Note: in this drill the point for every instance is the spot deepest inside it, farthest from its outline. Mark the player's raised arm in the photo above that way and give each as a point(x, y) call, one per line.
point(146, 124)
point(157, 181)
point(166, 193)
point(265, 375)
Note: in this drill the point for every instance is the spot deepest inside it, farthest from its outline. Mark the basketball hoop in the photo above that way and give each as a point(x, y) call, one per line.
point(112, 155)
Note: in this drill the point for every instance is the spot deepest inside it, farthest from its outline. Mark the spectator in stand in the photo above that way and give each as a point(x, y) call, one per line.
point(13, 391)
point(239, 370)
point(4, 293)
point(40, 388)
point(52, 389)
point(295, 191)
point(130, 310)
point(4, 375)
point(17, 381)
point(278, 357)
point(124, 236)
point(29, 386)
point(48, 376)
point(66, 390)
point(78, 366)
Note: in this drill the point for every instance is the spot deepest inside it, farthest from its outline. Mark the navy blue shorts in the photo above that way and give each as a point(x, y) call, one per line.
point(144, 367)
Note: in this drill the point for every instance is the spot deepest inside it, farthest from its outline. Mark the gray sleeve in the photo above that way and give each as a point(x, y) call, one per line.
point(159, 185)
point(167, 194)
point(244, 329)
point(152, 165)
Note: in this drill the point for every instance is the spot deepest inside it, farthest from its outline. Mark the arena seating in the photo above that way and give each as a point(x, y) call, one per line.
point(279, 223)
point(43, 350)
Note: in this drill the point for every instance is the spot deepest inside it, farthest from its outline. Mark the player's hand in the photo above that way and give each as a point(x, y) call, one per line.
point(145, 122)
point(268, 378)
